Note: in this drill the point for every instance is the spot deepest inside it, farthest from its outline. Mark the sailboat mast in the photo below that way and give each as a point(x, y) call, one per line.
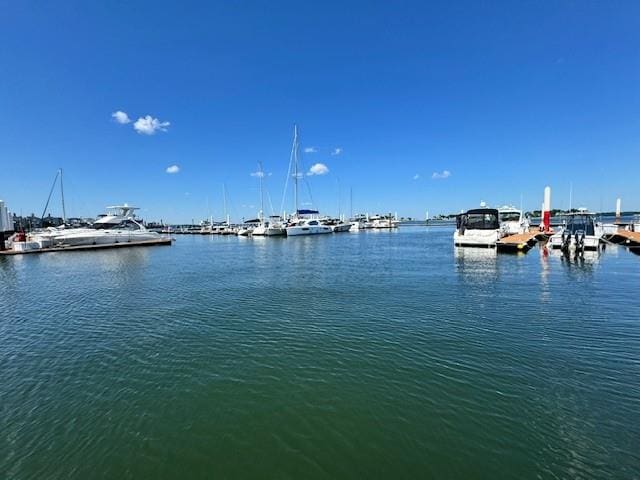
point(261, 175)
point(295, 167)
point(64, 211)
point(351, 202)
point(224, 199)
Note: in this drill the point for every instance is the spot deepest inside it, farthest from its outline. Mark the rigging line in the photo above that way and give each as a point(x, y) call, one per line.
point(306, 182)
point(266, 190)
point(50, 193)
point(286, 183)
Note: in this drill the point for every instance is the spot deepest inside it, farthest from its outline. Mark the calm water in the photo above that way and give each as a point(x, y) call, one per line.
point(371, 355)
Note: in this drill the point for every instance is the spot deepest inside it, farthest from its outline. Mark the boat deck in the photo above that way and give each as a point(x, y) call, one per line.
point(145, 243)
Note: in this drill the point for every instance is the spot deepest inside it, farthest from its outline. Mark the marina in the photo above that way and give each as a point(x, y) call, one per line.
point(318, 241)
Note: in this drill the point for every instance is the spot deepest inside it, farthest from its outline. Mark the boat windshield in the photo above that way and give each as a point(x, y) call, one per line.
point(510, 216)
point(582, 223)
point(482, 221)
point(124, 225)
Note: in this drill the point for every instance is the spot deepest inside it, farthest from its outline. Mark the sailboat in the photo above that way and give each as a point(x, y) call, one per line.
point(267, 227)
point(304, 222)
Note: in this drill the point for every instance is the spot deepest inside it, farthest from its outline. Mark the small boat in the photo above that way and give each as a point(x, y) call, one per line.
point(245, 231)
point(479, 227)
point(360, 222)
point(270, 228)
point(580, 232)
point(336, 225)
point(384, 221)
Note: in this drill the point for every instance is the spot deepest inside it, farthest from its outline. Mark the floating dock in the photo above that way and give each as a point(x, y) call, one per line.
point(69, 248)
point(521, 242)
point(626, 238)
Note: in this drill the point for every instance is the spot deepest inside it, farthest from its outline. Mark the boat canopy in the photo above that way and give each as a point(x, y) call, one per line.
point(581, 223)
point(307, 212)
point(479, 219)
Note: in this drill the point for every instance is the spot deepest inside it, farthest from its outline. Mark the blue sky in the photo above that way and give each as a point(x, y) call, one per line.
point(505, 96)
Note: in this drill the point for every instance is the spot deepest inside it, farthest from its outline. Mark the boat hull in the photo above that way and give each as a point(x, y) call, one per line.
point(476, 238)
point(269, 231)
point(308, 230)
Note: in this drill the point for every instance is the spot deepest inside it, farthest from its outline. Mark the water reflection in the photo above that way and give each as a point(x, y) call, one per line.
point(476, 264)
point(584, 263)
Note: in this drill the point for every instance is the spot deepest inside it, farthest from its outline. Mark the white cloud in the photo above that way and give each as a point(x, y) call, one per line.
point(416, 176)
point(441, 175)
point(257, 174)
point(310, 150)
point(121, 117)
point(337, 151)
point(148, 125)
point(173, 169)
point(318, 169)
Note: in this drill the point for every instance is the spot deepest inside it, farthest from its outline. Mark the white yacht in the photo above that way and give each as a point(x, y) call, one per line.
point(477, 228)
point(360, 222)
point(512, 221)
point(384, 221)
point(336, 225)
point(117, 226)
point(271, 227)
point(580, 232)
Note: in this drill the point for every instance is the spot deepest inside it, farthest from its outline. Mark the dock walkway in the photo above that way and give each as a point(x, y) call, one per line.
point(520, 242)
point(626, 238)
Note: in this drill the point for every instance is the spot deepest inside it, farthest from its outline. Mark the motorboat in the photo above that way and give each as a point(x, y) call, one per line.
point(478, 227)
point(579, 232)
point(245, 231)
point(512, 222)
point(118, 226)
point(336, 225)
point(360, 222)
point(384, 221)
point(270, 228)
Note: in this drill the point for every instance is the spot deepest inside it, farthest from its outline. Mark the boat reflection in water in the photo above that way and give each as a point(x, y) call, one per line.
point(587, 259)
point(476, 264)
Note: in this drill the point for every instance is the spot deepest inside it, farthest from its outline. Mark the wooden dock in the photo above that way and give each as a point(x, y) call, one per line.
point(521, 242)
point(626, 238)
point(69, 248)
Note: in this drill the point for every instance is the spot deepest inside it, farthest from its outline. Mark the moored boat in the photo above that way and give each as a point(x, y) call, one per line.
point(579, 232)
point(478, 227)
